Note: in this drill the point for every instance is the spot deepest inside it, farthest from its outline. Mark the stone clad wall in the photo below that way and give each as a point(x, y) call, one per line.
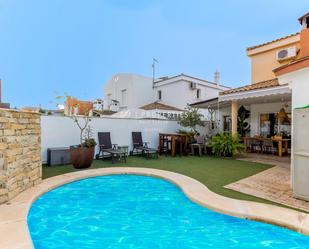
point(20, 152)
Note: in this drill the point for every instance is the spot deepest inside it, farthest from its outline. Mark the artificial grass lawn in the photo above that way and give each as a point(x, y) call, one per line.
point(214, 172)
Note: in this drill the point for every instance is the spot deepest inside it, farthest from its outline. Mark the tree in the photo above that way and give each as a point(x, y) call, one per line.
point(191, 118)
point(243, 127)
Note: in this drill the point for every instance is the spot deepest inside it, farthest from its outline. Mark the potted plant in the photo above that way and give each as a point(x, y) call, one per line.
point(83, 153)
point(242, 125)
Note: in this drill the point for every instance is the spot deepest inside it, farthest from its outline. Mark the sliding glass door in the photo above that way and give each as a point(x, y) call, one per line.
point(271, 124)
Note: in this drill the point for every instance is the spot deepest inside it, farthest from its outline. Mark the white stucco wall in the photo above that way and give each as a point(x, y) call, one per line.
point(175, 91)
point(299, 82)
point(179, 94)
point(139, 90)
point(63, 132)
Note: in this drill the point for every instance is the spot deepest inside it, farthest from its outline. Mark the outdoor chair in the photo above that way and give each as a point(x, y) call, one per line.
point(248, 144)
point(165, 144)
point(199, 145)
point(140, 147)
point(268, 146)
point(256, 145)
point(106, 148)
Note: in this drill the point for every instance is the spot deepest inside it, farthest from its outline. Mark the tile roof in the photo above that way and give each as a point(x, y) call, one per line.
point(159, 106)
point(292, 66)
point(266, 43)
point(255, 86)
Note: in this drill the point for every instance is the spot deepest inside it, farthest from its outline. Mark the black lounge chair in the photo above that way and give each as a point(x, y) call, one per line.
point(107, 148)
point(140, 147)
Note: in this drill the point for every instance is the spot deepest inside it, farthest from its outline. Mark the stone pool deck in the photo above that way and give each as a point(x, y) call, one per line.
point(272, 184)
point(13, 215)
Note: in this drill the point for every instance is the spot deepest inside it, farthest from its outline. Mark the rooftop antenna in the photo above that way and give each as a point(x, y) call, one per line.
point(154, 61)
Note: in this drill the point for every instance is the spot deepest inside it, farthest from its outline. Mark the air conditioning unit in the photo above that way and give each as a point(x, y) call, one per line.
point(193, 85)
point(286, 53)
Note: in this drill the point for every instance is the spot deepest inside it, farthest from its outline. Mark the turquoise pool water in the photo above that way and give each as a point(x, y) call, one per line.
point(130, 211)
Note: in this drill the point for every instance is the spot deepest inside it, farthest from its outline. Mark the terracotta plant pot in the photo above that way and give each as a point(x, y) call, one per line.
point(81, 157)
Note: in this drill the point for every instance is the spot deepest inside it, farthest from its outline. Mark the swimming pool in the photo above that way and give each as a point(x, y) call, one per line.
point(130, 211)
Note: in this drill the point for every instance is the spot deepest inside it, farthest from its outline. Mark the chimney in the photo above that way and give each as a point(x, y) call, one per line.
point(304, 35)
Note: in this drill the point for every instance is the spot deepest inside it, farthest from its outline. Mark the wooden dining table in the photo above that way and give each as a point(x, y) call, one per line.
point(282, 142)
point(173, 138)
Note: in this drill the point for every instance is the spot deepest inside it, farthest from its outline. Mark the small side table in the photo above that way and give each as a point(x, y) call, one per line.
point(124, 148)
point(151, 153)
point(118, 155)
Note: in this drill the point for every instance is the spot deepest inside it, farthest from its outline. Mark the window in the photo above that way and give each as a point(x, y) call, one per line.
point(124, 97)
point(159, 95)
point(198, 93)
point(227, 123)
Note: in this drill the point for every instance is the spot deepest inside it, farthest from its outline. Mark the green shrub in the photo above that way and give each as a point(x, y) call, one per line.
point(227, 145)
point(89, 142)
point(243, 127)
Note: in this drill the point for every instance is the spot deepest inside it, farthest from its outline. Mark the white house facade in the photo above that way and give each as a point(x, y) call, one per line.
point(181, 90)
point(130, 91)
point(127, 91)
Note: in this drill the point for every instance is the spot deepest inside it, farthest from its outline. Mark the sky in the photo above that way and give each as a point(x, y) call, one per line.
point(55, 47)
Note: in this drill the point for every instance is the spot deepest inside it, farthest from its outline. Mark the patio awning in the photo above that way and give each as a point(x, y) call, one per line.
point(257, 93)
point(273, 94)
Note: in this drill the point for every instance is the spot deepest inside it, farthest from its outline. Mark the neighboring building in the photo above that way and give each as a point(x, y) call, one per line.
point(98, 104)
point(5, 105)
point(74, 106)
point(129, 91)
point(181, 90)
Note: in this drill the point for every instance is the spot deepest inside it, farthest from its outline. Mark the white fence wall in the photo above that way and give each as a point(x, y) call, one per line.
point(63, 132)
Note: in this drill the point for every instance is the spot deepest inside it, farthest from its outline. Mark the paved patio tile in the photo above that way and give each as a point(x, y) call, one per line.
point(272, 184)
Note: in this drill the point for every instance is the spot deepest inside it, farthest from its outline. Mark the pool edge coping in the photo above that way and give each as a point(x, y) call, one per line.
point(13, 215)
